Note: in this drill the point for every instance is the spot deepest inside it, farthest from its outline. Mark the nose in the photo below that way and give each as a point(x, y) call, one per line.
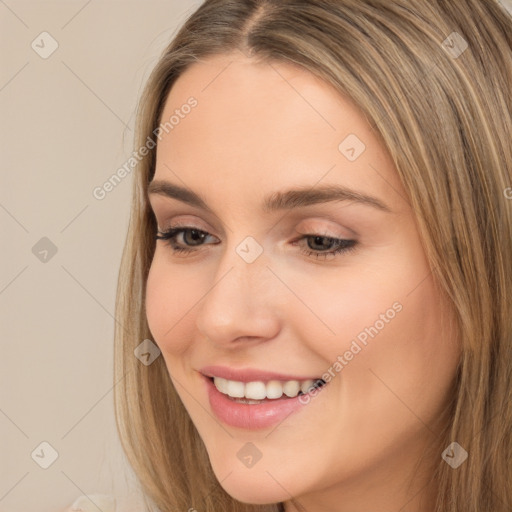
point(241, 303)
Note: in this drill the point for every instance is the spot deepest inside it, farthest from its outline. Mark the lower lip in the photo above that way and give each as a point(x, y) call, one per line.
point(255, 416)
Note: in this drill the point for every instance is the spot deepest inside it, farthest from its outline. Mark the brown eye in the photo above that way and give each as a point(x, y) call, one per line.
point(326, 247)
point(190, 237)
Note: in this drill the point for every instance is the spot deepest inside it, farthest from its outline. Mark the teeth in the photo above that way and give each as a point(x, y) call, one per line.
point(306, 386)
point(221, 384)
point(274, 389)
point(255, 390)
point(291, 388)
point(235, 389)
point(259, 390)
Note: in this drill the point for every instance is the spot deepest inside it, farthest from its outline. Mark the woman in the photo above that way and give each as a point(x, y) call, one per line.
point(316, 283)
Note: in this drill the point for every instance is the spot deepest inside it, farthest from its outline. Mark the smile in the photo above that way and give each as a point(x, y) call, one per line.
point(253, 399)
point(257, 391)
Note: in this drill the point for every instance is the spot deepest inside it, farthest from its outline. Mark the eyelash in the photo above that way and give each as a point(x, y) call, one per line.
point(342, 245)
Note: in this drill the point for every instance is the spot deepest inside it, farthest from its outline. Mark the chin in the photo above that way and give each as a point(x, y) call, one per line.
point(247, 486)
point(246, 490)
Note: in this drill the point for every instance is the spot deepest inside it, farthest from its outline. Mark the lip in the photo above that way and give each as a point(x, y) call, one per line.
point(250, 374)
point(255, 416)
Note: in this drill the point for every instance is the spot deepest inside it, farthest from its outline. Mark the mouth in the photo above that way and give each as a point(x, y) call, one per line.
point(257, 392)
point(257, 404)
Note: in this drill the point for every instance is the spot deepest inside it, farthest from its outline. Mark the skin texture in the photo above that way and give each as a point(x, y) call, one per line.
point(260, 128)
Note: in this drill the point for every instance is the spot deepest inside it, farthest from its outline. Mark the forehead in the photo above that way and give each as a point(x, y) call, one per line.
point(263, 125)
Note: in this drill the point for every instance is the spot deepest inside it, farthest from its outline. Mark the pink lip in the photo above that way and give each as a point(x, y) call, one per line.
point(249, 374)
point(255, 416)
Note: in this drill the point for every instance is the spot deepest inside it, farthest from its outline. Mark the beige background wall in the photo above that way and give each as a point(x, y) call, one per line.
point(66, 127)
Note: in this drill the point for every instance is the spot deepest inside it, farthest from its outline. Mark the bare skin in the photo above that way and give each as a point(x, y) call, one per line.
point(257, 129)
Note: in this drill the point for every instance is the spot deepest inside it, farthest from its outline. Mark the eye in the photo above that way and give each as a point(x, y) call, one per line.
point(329, 247)
point(189, 235)
point(187, 239)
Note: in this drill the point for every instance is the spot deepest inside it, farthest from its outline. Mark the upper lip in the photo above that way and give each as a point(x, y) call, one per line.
point(249, 374)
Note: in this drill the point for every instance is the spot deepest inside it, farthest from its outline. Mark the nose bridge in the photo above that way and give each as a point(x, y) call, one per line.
point(239, 302)
point(243, 266)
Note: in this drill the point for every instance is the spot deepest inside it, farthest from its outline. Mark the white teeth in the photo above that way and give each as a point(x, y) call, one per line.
point(221, 384)
point(235, 389)
point(258, 390)
point(291, 388)
point(255, 390)
point(274, 389)
point(306, 386)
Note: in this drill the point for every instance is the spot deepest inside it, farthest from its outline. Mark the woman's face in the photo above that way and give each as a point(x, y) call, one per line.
point(261, 301)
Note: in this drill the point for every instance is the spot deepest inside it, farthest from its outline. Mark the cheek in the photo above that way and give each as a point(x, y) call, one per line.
point(386, 316)
point(357, 303)
point(169, 300)
point(395, 345)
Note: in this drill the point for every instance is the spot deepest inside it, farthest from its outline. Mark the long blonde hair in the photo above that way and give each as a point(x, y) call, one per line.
point(434, 78)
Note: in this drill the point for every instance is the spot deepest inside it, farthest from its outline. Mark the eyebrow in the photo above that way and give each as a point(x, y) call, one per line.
point(287, 200)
